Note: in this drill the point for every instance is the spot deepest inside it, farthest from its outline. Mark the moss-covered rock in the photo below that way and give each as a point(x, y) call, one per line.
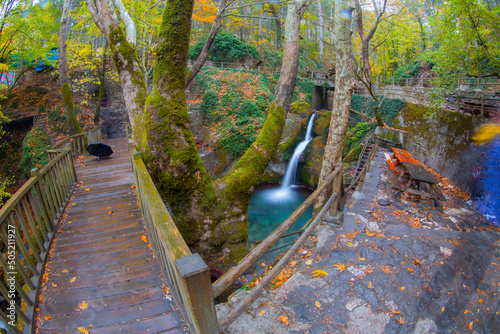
point(303, 109)
point(321, 126)
point(311, 161)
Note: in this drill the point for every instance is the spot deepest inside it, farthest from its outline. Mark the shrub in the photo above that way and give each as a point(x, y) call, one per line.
point(226, 48)
point(209, 105)
point(35, 150)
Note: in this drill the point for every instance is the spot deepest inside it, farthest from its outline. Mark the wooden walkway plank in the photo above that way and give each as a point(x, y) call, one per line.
point(101, 270)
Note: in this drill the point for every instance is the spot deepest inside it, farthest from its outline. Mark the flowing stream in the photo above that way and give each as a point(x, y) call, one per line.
point(271, 204)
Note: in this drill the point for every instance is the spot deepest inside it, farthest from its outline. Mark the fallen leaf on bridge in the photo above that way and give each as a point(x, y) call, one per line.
point(72, 279)
point(88, 189)
point(401, 320)
point(293, 263)
point(144, 238)
point(110, 212)
point(83, 330)
point(83, 305)
point(132, 186)
point(417, 262)
point(318, 304)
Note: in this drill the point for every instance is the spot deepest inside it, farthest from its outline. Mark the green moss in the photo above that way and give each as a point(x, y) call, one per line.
point(248, 170)
point(301, 108)
point(72, 122)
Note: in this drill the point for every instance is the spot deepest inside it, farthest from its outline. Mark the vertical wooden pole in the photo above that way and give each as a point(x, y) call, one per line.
point(198, 295)
point(482, 104)
point(336, 185)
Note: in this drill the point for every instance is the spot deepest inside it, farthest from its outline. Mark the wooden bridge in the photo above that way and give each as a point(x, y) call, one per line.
point(89, 246)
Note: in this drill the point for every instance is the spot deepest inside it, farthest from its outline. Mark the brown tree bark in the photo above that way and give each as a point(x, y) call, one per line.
point(344, 84)
point(69, 109)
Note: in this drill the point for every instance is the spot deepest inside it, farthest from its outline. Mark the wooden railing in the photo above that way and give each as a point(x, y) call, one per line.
point(78, 142)
point(251, 258)
point(187, 274)
point(28, 222)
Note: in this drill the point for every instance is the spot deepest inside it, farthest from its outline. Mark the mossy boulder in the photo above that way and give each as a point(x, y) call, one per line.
point(321, 126)
point(311, 161)
point(443, 141)
point(303, 109)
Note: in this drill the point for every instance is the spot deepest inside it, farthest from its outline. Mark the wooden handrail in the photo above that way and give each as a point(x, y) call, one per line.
point(257, 290)
point(80, 141)
point(187, 274)
point(28, 222)
point(251, 258)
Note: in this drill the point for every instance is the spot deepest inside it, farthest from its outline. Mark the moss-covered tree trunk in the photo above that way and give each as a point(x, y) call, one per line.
point(344, 84)
point(69, 109)
point(212, 215)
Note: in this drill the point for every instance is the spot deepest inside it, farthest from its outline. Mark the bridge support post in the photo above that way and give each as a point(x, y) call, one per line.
point(198, 294)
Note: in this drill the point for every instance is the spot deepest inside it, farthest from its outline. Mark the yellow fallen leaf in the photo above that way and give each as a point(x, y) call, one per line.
point(73, 204)
point(467, 311)
point(262, 312)
point(83, 305)
point(72, 279)
point(83, 330)
point(309, 262)
point(54, 284)
point(110, 212)
point(349, 243)
point(471, 325)
point(144, 238)
point(370, 285)
point(417, 262)
point(339, 266)
point(410, 270)
point(442, 309)
point(480, 301)
point(149, 245)
point(88, 189)
point(318, 304)
point(403, 288)
point(69, 222)
point(283, 319)
point(132, 186)
point(293, 263)
point(65, 271)
point(401, 320)
point(318, 273)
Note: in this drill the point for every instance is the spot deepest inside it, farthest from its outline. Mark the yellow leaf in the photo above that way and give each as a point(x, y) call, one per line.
point(480, 301)
point(410, 270)
point(442, 309)
point(144, 238)
point(65, 271)
point(110, 212)
point(293, 263)
point(283, 319)
point(149, 245)
point(319, 273)
point(318, 304)
point(72, 279)
point(467, 311)
point(88, 189)
point(470, 325)
point(83, 305)
point(370, 285)
point(54, 284)
point(417, 262)
point(309, 262)
point(132, 186)
point(262, 312)
point(401, 320)
point(339, 266)
point(83, 330)
point(403, 288)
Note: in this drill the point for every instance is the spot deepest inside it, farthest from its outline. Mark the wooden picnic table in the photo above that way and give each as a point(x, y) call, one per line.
point(412, 175)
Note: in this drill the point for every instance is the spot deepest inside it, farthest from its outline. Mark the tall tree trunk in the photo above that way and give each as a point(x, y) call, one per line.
point(277, 23)
point(344, 84)
point(202, 58)
point(69, 109)
point(126, 63)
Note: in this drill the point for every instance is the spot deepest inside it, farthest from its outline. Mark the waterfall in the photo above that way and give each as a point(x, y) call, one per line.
point(291, 169)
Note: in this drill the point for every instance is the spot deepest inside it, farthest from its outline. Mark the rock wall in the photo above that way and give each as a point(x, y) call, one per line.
point(443, 142)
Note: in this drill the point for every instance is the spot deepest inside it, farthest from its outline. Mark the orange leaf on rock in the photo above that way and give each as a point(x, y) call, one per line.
point(283, 319)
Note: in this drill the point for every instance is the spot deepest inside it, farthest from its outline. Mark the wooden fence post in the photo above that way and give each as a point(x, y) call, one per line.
point(199, 295)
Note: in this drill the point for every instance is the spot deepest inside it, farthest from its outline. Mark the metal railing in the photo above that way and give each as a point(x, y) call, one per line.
point(187, 275)
point(28, 222)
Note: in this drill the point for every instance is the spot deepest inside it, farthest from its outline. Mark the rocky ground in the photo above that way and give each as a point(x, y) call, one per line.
point(394, 266)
